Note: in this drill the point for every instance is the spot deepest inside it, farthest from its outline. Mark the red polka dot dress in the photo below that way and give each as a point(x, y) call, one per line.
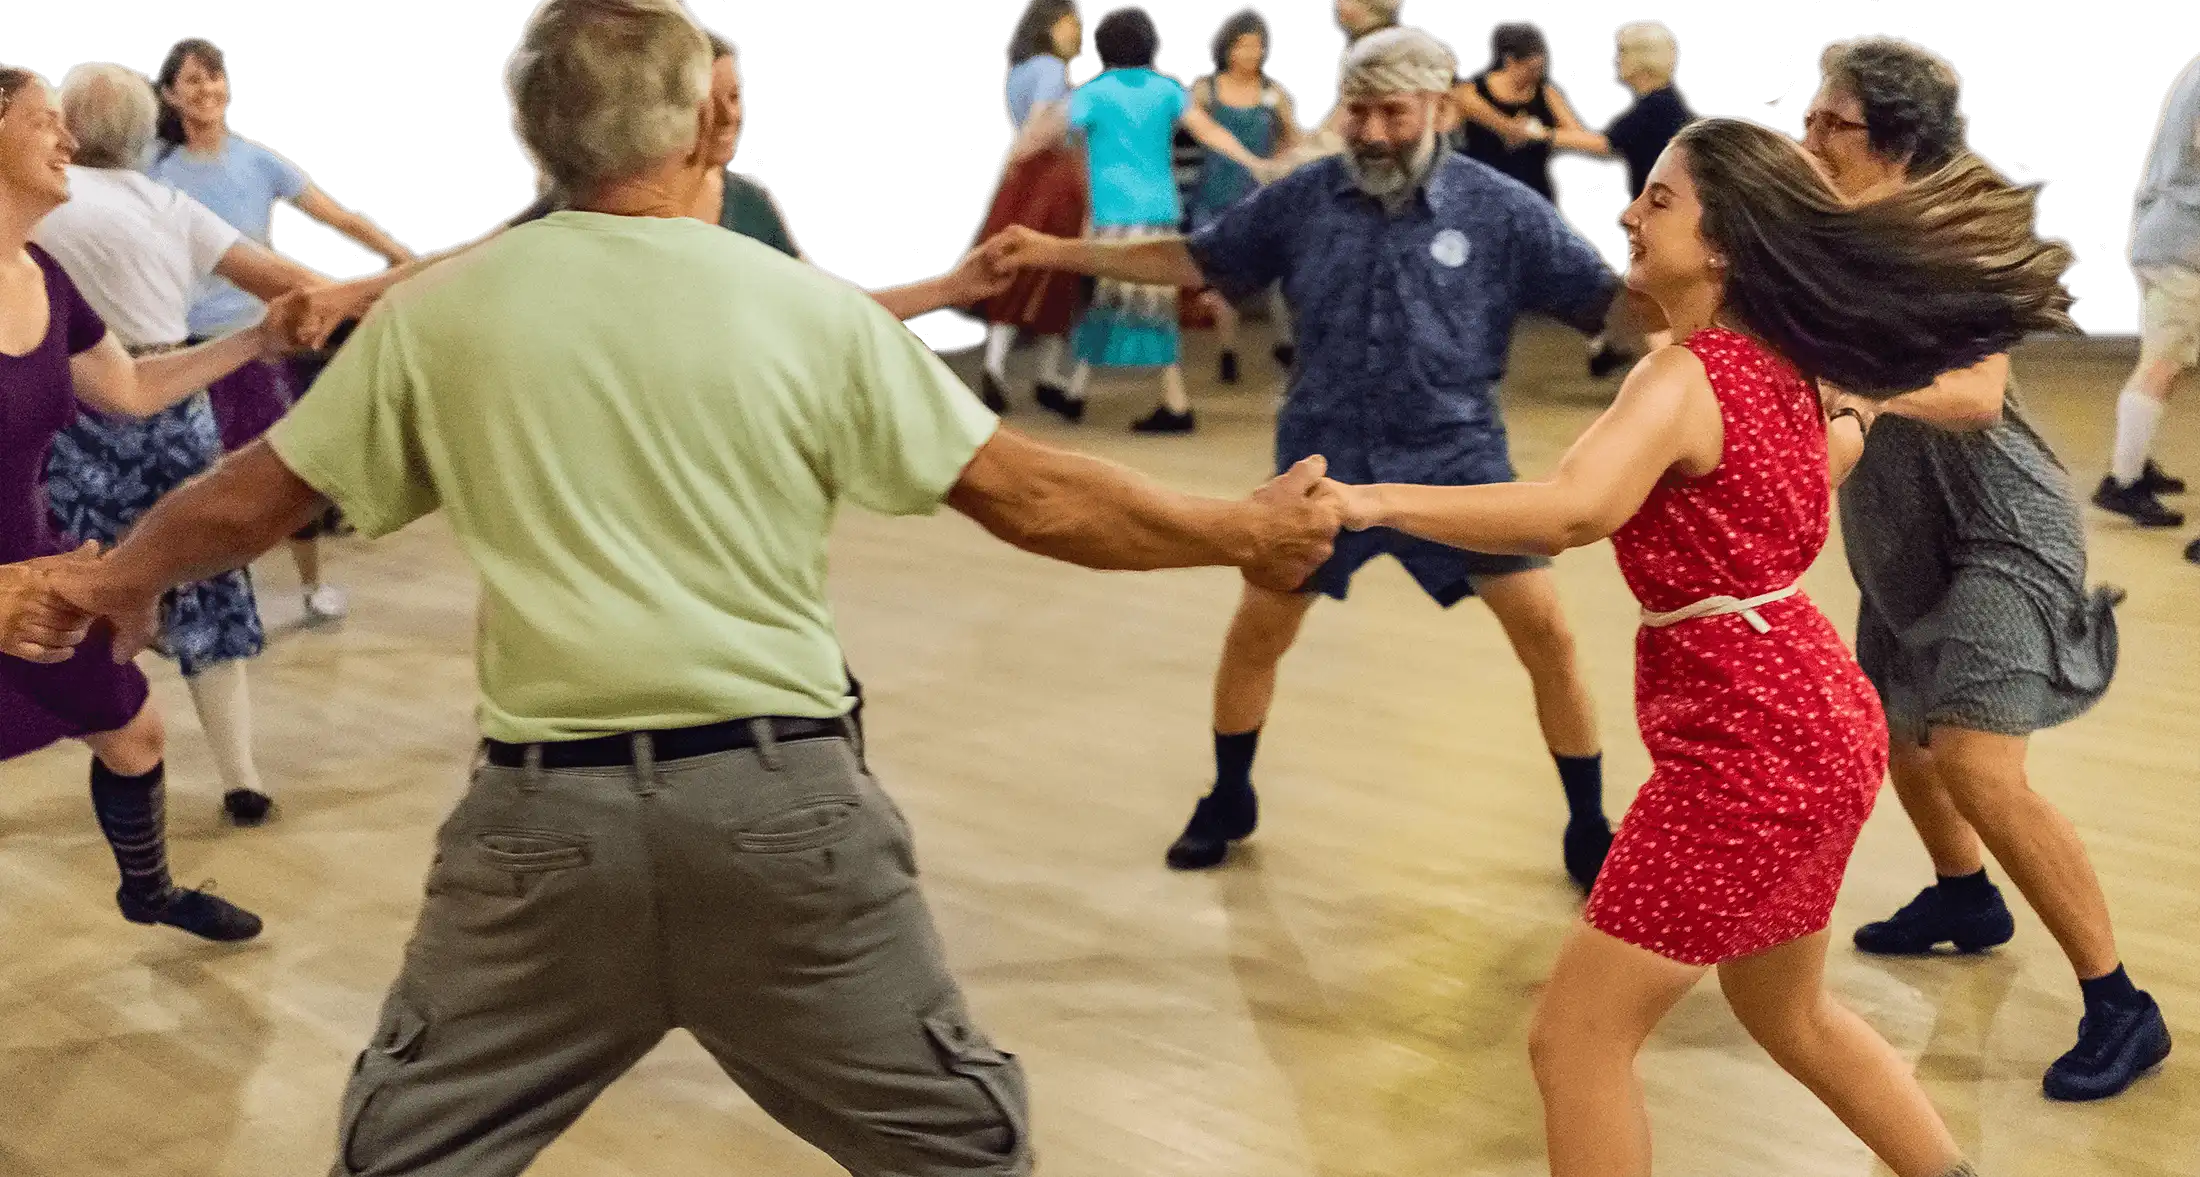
point(1768, 747)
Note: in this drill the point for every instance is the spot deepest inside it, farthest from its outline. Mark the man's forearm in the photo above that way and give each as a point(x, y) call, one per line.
point(250, 504)
point(1096, 514)
point(1164, 261)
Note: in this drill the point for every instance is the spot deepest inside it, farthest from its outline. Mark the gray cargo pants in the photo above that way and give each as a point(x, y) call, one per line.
point(764, 900)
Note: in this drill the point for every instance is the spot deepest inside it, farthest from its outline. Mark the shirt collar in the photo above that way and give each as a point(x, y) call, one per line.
point(1439, 188)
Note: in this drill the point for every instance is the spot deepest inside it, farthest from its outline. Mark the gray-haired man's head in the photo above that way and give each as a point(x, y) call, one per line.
point(1395, 93)
point(109, 110)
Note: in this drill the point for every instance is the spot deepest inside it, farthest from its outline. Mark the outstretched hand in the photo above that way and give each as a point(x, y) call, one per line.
point(85, 585)
point(1019, 247)
point(977, 277)
point(1301, 513)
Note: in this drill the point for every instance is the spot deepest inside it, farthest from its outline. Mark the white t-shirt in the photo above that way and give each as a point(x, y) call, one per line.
point(137, 249)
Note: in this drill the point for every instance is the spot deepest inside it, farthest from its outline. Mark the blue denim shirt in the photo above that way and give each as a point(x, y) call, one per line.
point(1404, 321)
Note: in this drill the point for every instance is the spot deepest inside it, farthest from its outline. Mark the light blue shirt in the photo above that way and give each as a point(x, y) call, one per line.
point(1035, 82)
point(241, 185)
point(2166, 231)
point(1129, 119)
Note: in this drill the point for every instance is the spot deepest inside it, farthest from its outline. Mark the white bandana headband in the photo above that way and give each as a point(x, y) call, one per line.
point(1397, 61)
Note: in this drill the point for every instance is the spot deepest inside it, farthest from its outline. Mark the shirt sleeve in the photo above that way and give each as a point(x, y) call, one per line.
point(899, 437)
point(203, 232)
point(1559, 273)
point(285, 179)
point(85, 328)
point(1247, 246)
point(1081, 106)
point(357, 439)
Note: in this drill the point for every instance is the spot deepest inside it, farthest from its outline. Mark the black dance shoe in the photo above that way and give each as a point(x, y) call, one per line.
point(2114, 1048)
point(991, 392)
point(1932, 919)
point(1165, 420)
point(1226, 370)
point(2152, 478)
point(1604, 359)
point(1587, 843)
point(247, 807)
point(1057, 400)
point(201, 913)
point(2136, 503)
point(2192, 551)
point(1219, 820)
point(1287, 354)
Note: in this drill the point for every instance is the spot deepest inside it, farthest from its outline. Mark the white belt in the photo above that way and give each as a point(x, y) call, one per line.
point(1721, 606)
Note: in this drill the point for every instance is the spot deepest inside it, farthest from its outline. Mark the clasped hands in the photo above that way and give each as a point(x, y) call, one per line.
point(1302, 510)
point(303, 319)
point(49, 605)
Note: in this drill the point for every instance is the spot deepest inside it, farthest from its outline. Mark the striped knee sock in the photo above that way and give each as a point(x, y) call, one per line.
point(131, 814)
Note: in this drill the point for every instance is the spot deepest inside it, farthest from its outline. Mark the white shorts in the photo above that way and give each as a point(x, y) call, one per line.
point(2169, 316)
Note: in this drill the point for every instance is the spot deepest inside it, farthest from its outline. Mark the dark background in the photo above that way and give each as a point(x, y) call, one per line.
point(881, 122)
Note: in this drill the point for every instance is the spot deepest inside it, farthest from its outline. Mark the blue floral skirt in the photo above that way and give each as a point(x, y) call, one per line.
point(105, 472)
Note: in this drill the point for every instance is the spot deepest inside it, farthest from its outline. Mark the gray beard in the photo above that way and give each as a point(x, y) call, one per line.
point(1390, 184)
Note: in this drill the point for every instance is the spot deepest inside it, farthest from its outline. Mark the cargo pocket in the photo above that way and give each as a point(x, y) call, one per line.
point(362, 1137)
point(999, 1079)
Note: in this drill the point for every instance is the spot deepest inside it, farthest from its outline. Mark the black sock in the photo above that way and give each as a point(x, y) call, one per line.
point(1583, 779)
point(1972, 889)
point(131, 815)
point(1234, 761)
point(2113, 989)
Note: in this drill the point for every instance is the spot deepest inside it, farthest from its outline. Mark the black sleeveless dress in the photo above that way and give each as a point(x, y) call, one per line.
point(1529, 163)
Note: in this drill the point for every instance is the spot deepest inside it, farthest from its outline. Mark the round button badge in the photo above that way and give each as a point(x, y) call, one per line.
point(1449, 249)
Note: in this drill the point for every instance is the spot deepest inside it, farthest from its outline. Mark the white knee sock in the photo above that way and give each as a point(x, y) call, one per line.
point(1078, 380)
point(998, 340)
point(1051, 354)
point(225, 711)
point(1172, 390)
point(2137, 417)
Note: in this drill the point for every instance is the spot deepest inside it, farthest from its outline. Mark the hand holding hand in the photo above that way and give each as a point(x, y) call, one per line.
point(85, 585)
point(1301, 511)
point(37, 624)
point(1360, 506)
point(977, 278)
point(1018, 247)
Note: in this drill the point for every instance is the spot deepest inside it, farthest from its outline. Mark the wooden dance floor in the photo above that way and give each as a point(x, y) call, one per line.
point(1350, 1000)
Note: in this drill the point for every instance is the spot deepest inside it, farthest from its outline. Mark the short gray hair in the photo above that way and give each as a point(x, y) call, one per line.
point(109, 110)
point(603, 89)
point(1397, 61)
point(1647, 47)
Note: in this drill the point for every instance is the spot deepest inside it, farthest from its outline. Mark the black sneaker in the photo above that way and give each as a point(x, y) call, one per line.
point(1930, 920)
point(1217, 822)
point(1056, 399)
point(1164, 420)
point(1287, 354)
point(1604, 359)
point(2192, 551)
point(247, 807)
point(2113, 1050)
point(991, 392)
point(2136, 503)
point(1586, 845)
point(1227, 368)
point(2152, 478)
point(201, 913)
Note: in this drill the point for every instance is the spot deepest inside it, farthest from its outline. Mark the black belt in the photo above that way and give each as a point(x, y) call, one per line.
point(678, 744)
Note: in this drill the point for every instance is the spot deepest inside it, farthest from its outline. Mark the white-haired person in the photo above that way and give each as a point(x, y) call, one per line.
point(641, 428)
point(1405, 267)
point(137, 249)
point(56, 353)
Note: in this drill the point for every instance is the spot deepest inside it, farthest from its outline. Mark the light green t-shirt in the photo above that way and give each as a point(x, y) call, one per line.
point(640, 429)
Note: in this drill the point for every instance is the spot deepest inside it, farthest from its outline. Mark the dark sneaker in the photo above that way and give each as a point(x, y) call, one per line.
point(2192, 551)
point(1227, 369)
point(2152, 478)
point(991, 392)
point(1287, 354)
point(2136, 503)
point(1931, 920)
point(2113, 1050)
point(247, 807)
point(1217, 822)
point(1163, 420)
point(1604, 359)
point(1586, 844)
point(201, 913)
point(1056, 399)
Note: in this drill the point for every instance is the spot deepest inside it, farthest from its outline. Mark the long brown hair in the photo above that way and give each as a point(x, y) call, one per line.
point(1881, 298)
point(169, 128)
point(1034, 35)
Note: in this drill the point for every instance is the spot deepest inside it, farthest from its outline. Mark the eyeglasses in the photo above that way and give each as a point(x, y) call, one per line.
point(1829, 122)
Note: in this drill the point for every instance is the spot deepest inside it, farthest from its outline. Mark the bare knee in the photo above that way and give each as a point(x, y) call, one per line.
point(1982, 774)
point(1264, 628)
point(1544, 643)
point(1787, 1029)
point(136, 748)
